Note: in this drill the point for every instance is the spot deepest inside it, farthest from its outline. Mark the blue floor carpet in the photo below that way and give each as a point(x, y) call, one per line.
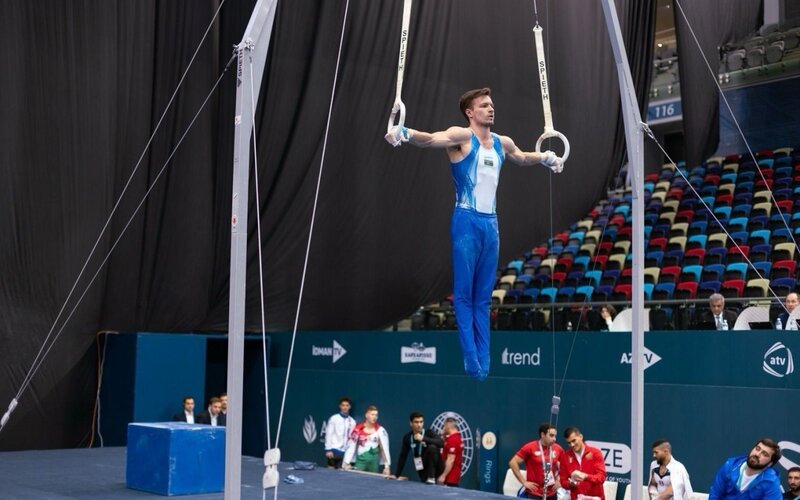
point(99, 473)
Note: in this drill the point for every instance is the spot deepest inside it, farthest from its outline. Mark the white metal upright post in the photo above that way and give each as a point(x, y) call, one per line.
point(251, 60)
point(635, 144)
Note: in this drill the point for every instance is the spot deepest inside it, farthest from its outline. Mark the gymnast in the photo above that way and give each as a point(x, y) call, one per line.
point(476, 156)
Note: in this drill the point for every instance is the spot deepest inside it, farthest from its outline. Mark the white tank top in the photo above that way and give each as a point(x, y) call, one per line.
point(487, 178)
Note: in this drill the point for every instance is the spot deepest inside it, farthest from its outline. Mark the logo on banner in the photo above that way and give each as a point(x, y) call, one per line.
point(650, 358)
point(785, 462)
point(336, 352)
point(309, 429)
point(466, 436)
point(488, 440)
point(617, 456)
point(778, 360)
point(533, 358)
point(418, 353)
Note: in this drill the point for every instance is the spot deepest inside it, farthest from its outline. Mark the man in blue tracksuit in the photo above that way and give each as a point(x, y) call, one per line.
point(476, 156)
point(750, 477)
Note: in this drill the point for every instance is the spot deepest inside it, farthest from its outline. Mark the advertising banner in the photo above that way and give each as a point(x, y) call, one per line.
point(711, 394)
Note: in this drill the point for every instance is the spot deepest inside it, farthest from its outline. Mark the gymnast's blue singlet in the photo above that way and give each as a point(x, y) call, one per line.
point(476, 243)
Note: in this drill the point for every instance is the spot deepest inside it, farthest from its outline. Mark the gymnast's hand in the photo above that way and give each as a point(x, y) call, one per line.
point(397, 135)
point(553, 162)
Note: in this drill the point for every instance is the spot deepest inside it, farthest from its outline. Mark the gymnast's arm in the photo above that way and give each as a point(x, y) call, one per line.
point(451, 137)
point(520, 157)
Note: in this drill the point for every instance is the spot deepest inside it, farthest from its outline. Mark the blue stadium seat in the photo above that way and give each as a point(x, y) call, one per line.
point(723, 212)
point(594, 275)
point(663, 291)
point(763, 268)
point(782, 233)
point(582, 259)
point(782, 286)
point(735, 271)
point(700, 239)
point(740, 237)
point(578, 235)
point(532, 292)
point(604, 289)
point(713, 272)
point(758, 237)
point(583, 293)
point(706, 288)
point(547, 295)
point(737, 224)
point(698, 227)
point(564, 294)
point(691, 273)
point(741, 210)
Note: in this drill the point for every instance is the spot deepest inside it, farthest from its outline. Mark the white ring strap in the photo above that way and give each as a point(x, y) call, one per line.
point(401, 66)
point(549, 130)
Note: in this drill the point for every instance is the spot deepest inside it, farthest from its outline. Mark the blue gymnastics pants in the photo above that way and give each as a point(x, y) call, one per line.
point(476, 243)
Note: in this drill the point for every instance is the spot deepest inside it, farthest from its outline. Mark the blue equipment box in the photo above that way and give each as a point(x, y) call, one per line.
point(175, 458)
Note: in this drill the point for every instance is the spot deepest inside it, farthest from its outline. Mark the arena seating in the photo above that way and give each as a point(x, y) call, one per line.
point(687, 253)
point(688, 256)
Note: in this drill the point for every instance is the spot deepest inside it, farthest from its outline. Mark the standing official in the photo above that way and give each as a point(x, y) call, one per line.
point(337, 432)
point(541, 459)
point(583, 467)
point(452, 454)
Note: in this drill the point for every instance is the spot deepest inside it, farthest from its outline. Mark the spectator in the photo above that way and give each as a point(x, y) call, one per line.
point(368, 446)
point(452, 454)
point(607, 315)
point(782, 323)
point(668, 477)
point(541, 458)
point(749, 476)
point(583, 467)
point(213, 415)
point(425, 446)
point(187, 415)
point(337, 432)
point(223, 398)
point(716, 317)
point(793, 484)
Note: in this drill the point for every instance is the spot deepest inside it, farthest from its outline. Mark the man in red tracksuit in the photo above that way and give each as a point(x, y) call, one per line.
point(452, 452)
point(541, 458)
point(583, 467)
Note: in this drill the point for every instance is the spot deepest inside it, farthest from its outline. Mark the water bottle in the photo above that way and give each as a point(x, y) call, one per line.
point(724, 324)
point(569, 326)
point(791, 324)
point(778, 324)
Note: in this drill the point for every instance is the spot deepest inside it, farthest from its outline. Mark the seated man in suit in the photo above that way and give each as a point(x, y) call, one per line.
point(716, 317)
point(187, 415)
point(213, 415)
point(783, 323)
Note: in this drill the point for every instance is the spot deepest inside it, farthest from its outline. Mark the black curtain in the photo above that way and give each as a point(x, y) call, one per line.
point(714, 23)
point(90, 81)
